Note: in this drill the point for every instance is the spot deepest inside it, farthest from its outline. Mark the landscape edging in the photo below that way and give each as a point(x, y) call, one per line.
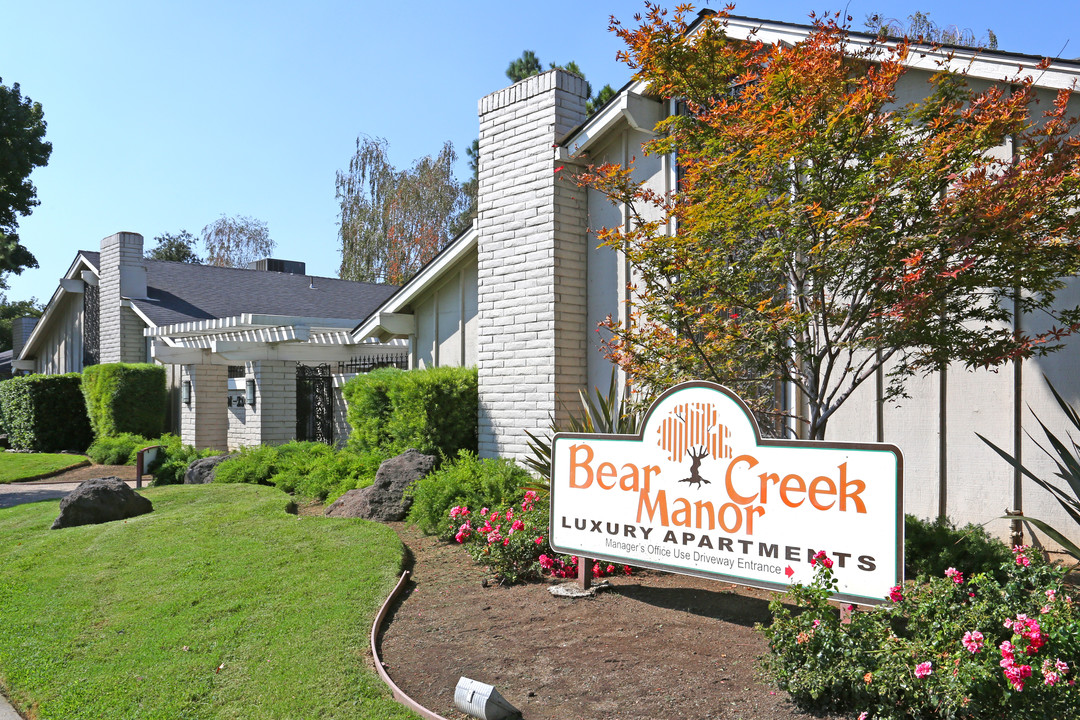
point(376, 627)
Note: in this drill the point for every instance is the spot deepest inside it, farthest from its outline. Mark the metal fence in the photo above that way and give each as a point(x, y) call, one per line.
point(367, 364)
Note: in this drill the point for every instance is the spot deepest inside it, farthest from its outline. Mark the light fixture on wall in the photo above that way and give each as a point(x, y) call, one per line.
point(250, 392)
point(185, 392)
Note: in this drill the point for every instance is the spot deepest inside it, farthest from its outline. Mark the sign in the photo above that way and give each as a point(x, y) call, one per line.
point(700, 492)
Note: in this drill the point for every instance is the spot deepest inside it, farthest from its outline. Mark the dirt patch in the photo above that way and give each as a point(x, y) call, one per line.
point(656, 645)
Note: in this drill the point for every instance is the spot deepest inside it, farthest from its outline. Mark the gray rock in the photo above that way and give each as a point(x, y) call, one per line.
point(100, 500)
point(202, 471)
point(385, 500)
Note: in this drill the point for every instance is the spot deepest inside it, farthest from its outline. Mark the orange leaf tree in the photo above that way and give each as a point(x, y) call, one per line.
point(824, 230)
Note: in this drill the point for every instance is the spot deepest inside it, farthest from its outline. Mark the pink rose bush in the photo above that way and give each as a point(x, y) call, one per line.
point(512, 542)
point(960, 645)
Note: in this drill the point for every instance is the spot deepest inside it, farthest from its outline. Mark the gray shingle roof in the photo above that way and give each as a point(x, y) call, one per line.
point(183, 292)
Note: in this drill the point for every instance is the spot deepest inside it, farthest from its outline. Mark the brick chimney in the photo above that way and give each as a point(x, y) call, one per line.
point(20, 333)
point(123, 275)
point(532, 254)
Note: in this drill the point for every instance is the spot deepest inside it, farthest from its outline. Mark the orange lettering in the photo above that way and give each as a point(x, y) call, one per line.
point(816, 489)
point(785, 488)
point(844, 495)
point(652, 508)
point(574, 465)
point(606, 470)
point(750, 462)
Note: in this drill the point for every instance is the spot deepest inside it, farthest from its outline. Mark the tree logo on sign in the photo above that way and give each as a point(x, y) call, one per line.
point(693, 429)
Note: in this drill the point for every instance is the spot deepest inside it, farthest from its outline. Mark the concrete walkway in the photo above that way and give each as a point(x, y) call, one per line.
point(12, 494)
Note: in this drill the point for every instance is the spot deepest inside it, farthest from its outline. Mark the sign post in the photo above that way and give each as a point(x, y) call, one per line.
point(700, 492)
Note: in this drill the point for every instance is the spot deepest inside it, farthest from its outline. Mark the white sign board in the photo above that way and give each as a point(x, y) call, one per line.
point(700, 492)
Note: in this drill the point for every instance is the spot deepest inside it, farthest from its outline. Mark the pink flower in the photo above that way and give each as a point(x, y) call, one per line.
point(973, 641)
point(923, 669)
point(822, 558)
point(896, 593)
point(539, 540)
point(956, 575)
point(518, 525)
point(1021, 558)
point(509, 514)
point(483, 511)
point(864, 715)
point(1052, 672)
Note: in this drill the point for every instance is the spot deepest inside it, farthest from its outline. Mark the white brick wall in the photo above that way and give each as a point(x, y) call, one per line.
point(272, 419)
point(121, 338)
point(204, 420)
point(531, 272)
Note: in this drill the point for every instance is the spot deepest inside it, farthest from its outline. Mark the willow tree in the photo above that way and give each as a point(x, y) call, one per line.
point(237, 241)
point(824, 231)
point(393, 221)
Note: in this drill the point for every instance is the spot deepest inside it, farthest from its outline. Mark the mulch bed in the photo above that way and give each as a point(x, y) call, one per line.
point(656, 645)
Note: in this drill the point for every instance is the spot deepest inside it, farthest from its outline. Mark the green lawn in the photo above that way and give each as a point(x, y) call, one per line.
point(134, 619)
point(27, 466)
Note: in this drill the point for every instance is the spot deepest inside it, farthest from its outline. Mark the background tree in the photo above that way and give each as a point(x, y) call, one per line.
point(525, 66)
point(22, 148)
point(920, 28)
point(528, 65)
point(469, 189)
point(824, 232)
point(177, 247)
point(236, 241)
point(11, 310)
point(393, 221)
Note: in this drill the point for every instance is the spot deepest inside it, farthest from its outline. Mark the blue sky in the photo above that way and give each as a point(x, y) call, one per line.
point(165, 115)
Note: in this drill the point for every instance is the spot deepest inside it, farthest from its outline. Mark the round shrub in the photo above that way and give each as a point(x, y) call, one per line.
point(932, 546)
point(117, 450)
point(469, 481)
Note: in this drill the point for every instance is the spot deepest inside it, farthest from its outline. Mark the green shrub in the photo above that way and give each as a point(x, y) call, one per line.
point(333, 474)
point(252, 465)
point(957, 646)
point(125, 398)
point(307, 469)
point(174, 458)
point(932, 546)
point(45, 413)
point(466, 481)
point(432, 410)
point(117, 450)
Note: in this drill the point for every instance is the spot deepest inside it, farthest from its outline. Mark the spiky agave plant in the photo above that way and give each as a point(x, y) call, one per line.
point(601, 412)
point(1066, 455)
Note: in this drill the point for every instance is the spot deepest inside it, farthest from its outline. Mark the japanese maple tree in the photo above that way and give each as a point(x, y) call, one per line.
point(823, 230)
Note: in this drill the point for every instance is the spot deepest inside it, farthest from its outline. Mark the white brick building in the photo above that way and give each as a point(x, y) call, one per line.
point(542, 286)
point(231, 339)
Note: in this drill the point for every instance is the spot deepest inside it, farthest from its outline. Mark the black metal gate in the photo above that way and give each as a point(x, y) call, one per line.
point(314, 403)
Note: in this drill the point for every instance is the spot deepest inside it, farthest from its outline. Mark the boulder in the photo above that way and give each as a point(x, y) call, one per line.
point(201, 471)
point(100, 500)
point(384, 500)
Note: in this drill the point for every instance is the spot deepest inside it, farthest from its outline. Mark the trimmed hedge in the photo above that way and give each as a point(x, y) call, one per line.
point(432, 410)
point(125, 398)
point(45, 413)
